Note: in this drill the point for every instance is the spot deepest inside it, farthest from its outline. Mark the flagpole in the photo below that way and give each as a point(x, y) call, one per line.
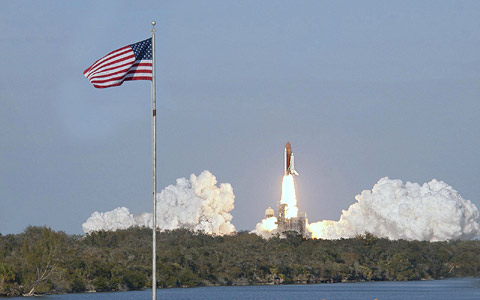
point(154, 138)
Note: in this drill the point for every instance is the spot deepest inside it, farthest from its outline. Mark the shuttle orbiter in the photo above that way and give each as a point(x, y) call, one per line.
point(289, 167)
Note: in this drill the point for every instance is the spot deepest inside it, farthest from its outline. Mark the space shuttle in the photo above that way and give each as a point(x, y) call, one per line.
point(289, 165)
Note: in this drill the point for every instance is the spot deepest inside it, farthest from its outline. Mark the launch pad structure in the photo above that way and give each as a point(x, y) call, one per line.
point(296, 224)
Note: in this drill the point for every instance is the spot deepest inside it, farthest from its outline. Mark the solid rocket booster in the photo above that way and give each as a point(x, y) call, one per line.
point(289, 161)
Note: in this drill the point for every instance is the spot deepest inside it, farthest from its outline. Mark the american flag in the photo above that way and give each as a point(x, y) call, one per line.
point(132, 62)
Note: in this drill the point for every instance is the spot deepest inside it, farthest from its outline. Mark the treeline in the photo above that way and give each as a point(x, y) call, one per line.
point(40, 260)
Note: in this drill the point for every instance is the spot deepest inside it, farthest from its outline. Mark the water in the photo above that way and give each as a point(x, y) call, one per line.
point(448, 289)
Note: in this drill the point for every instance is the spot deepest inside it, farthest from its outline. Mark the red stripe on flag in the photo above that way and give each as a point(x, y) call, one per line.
point(109, 63)
point(120, 83)
point(121, 77)
point(101, 75)
point(128, 48)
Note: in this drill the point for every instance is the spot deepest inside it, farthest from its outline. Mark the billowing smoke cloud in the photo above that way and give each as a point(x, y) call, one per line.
point(197, 204)
point(119, 218)
point(266, 228)
point(431, 212)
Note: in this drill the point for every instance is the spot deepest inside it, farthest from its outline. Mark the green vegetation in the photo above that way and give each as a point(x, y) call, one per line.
point(40, 260)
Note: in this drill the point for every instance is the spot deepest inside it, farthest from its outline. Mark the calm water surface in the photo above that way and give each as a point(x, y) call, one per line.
point(449, 289)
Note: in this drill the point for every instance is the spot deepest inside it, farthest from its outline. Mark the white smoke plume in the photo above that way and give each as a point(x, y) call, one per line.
point(119, 218)
point(433, 211)
point(196, 203)
point(266, 228)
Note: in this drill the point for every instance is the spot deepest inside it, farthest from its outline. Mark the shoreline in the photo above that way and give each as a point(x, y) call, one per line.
point(241, 285)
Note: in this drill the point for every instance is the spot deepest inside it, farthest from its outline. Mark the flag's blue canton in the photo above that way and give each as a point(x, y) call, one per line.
point(143, 49)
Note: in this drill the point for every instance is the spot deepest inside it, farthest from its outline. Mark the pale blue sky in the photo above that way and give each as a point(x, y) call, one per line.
point(362, 90)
